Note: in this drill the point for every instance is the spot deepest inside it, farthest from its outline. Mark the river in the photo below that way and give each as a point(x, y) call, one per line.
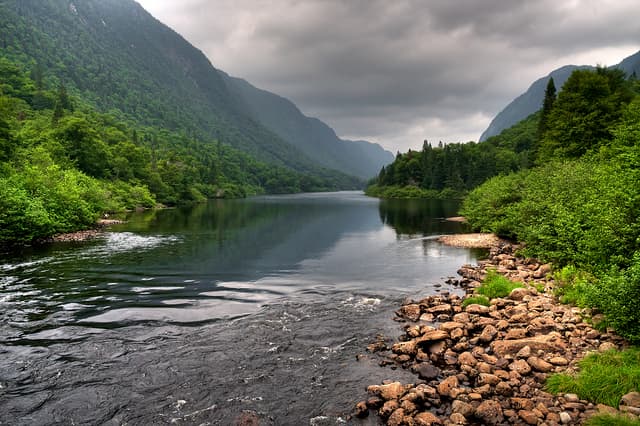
point(212, 313)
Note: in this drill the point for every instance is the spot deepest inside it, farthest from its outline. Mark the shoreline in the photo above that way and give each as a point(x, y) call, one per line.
point(84, 235)
point(487, 364)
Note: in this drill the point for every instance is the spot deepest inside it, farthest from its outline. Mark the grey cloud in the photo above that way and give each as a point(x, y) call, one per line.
point(401, 71)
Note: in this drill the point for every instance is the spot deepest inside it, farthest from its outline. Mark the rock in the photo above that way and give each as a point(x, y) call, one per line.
point(447, 385)
point(374, 402)
point(439, 309)
point(558, 360)
point(607, 346)
point(529, 417)
point(426, 392)
point(490, 412)
point(539, 364)
point(426, 419)
point(438, 348)
point(519, 293)
point(426, 371)
point(247, 418)
point(488, 334)
point(606, 409)
point(462, 407)
point(362, 410)
point(458, 419)
point(521, 367)
point(542, 271)
point(516, 333)
point(405, 348)
point(389, 391)
point(395, 419)
point(408, 406)
point(466, 358)
point(571, 397)
point(487, 379)
point(503, 389)
point(524, 352)
point(457, 333)
point(388, 408)
point(449, 326)
point(541, 325)
point(565, 418)
point(432, 336)
point(477, 309)
point(427, 317)
point(521, 403)
point(410, 312)
point(546, 343)
point(630, 403)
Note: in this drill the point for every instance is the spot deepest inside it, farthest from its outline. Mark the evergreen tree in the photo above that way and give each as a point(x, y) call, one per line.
point(547, 105)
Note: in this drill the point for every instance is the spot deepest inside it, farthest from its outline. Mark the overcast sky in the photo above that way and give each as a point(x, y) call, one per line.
point(397, 72)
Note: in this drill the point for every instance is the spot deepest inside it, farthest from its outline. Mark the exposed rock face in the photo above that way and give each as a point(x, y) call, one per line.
point(488, 364)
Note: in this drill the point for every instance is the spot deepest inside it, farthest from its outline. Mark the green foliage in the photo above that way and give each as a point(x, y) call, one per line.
point(453, 169)
point(585, 113)
point(573, 285)
point(496, 285)
point(609, 420)
point(603, 378)
point(476, 300)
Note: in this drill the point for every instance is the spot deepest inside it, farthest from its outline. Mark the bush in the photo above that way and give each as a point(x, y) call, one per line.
point(496, 285)
point(475, 300)
point(608, 420)
point(603, 378)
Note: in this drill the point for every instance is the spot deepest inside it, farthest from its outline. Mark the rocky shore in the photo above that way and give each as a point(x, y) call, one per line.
point(479, 365)
point(85, 235)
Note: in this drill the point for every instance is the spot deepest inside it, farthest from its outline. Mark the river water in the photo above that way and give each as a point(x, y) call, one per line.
point(219, 313)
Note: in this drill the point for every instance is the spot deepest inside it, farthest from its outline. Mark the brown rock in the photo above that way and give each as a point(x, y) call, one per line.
point(462, 318)
point(410, 312)
point(483, 390)
point(487, 379)
point(477, 309)
point(484, 367)
point(447, 385)
point(630, 403)
point(565, 418)
point(450, 326)
point(516, 333)
point(524, 352)
point(408, 406)
point(440, 309)
point(432, 336)
point(426, 371)
point(427, 317)
point(519, 293)
point(529, 417)
point(425, 391)
point(558, 360)
point(571, 397)
point(490, 412)
point(521, 367)
point(542, 271)
point(466, 358)
point(547, 343)
point(462, 407)
point(521, 403)
point(395, 419)
point(475, 396)
point(488, 334)
point(607, 346)
point(426, 419)
point(362, 410)
point(606, 409)
point(458, 419)
point(541, 325)
point(389, 391)
point(457, 333)
point(405, 348)
point(503, 389)
point(539, 364)
point(388, 408)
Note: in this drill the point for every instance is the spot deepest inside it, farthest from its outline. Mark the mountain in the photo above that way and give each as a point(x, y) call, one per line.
point(310, 135)
point(531, 100)
point(118, 57)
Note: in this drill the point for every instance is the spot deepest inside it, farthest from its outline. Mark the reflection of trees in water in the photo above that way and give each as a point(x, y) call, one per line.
point(425, 217)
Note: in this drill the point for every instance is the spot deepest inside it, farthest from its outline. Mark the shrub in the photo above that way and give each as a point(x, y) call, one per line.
point(603, 378)
point(496, 285)
point(475, 300)
point(609, 420)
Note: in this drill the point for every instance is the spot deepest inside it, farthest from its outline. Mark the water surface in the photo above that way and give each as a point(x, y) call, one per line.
point(196, 315)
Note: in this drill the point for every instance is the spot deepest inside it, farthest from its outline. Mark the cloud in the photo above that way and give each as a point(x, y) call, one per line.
point(403, 71)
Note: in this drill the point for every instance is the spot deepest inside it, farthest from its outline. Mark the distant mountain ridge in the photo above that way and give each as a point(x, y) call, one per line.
point(531, 100)
point(116, 55)
point(313, 137)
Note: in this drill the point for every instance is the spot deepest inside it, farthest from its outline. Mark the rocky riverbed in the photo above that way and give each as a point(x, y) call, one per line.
point(487, 365)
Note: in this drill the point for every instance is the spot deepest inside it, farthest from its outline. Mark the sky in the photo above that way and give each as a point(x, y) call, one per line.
point(402, 71)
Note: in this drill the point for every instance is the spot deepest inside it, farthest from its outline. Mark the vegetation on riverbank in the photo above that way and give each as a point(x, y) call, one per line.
point(63, 164)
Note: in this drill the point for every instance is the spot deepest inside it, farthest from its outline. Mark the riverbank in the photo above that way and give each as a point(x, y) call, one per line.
point(478, 364)
point(84, 235)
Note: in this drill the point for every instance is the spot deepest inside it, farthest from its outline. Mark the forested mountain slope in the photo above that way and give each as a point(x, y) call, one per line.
point(310, 135)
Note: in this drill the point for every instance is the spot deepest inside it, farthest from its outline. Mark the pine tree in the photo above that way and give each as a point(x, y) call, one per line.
point(547, 106)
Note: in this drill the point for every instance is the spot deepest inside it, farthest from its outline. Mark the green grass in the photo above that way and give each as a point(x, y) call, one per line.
point(603, 378)
point(608, 420)
point(496, 285)
point(478, 300)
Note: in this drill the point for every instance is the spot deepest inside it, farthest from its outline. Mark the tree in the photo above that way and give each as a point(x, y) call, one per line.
point(547, 105)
